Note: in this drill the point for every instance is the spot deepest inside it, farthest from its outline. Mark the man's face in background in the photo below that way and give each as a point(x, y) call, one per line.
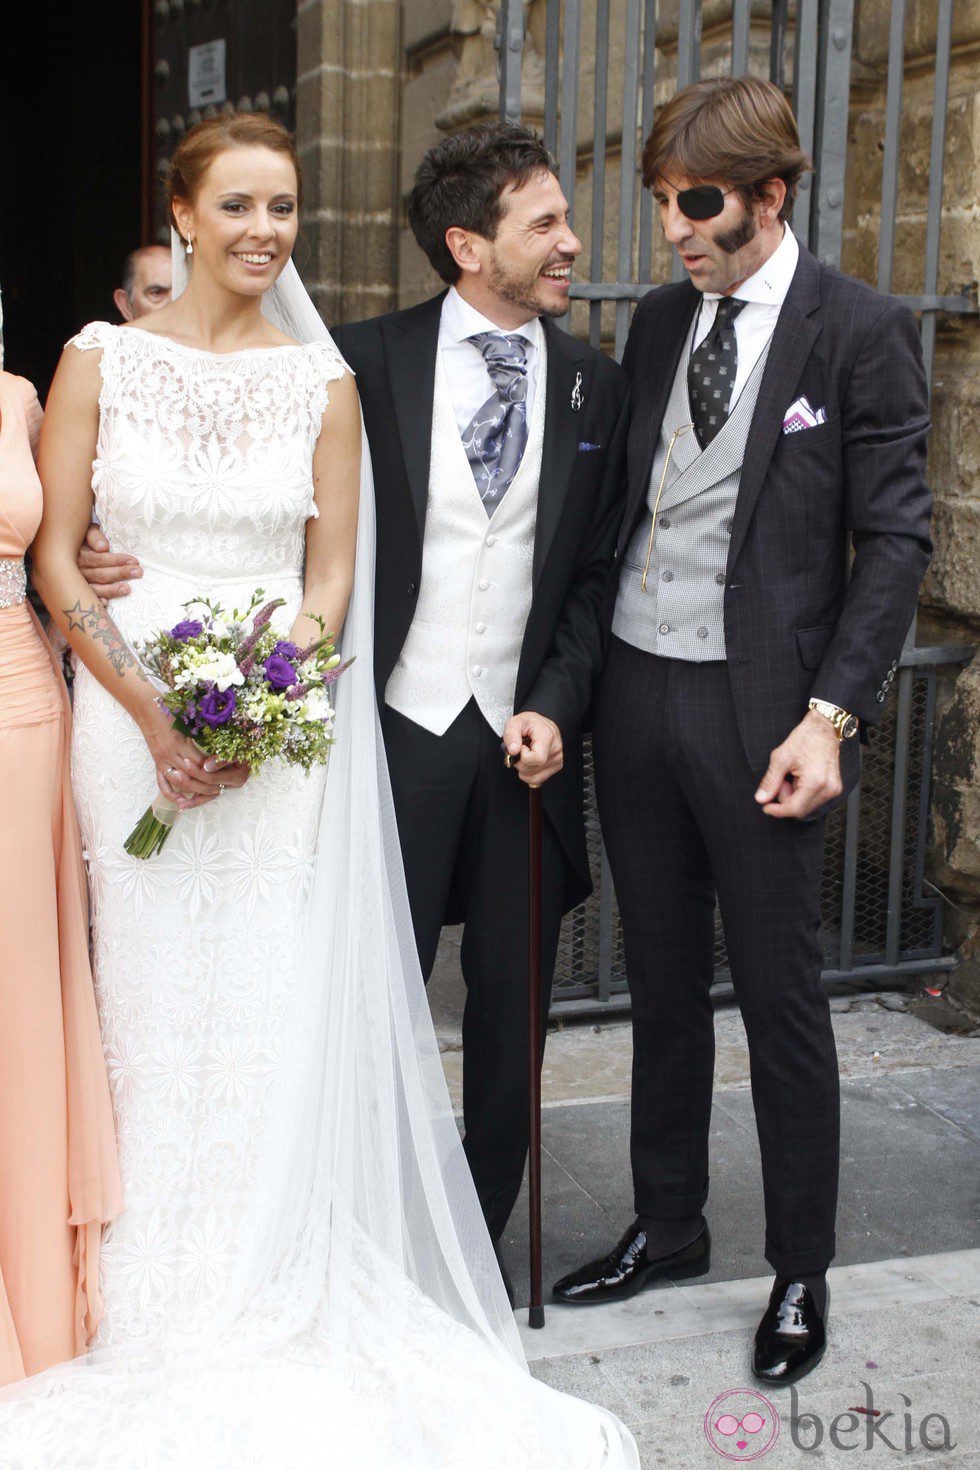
point(149, 285)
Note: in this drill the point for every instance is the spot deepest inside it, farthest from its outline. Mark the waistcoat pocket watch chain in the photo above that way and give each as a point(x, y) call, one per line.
point(681, 429)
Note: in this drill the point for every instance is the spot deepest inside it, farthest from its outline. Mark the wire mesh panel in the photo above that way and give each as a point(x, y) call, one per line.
point(608, 65)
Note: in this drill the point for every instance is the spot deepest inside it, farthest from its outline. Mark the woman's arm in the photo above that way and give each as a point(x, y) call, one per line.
point(68, 445)
point(332, 536)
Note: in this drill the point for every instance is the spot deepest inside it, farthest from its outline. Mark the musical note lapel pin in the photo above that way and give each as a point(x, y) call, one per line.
point(577, 399)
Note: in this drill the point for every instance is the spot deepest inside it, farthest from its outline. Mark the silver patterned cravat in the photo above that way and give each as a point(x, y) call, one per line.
point(495, 437)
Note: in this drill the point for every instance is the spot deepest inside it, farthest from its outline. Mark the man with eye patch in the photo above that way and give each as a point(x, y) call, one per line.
point(779, 415)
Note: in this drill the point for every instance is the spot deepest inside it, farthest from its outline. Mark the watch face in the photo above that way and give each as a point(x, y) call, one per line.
point(849, 727)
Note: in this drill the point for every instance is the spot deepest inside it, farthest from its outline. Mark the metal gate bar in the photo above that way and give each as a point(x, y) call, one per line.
point(879, 924)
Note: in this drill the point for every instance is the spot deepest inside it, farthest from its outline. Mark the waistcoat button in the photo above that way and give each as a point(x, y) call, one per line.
point(665, 627)
point(491, 540)
point(476, 671)
point(668, 576)
point(484, 585)
point(702, 632)
point(720, 578)
point(481, 627)
point(665, 522)
point(411, 589)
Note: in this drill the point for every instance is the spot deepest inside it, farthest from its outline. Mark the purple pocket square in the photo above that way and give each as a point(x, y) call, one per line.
point(584, 447)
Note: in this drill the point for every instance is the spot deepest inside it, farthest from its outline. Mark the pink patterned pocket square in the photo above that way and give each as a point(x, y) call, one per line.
point(800, 415)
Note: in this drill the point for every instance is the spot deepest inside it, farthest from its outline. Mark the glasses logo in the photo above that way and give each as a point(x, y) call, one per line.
point(741, 1424)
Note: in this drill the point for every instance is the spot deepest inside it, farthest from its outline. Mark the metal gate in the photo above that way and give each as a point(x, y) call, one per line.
point(878, 923)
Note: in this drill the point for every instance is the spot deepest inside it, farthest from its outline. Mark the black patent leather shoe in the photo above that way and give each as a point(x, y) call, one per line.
point(628, 1269)
point(792, 1336)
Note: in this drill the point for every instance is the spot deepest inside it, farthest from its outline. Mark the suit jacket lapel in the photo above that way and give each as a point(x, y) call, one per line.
point(652, 386)
point(411, 342)
point(567, 358)
point(797, 328)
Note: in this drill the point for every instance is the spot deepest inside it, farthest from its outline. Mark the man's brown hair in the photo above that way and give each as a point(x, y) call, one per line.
point(737, 129)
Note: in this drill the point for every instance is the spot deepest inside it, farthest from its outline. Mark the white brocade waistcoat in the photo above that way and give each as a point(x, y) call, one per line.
point(475, 593)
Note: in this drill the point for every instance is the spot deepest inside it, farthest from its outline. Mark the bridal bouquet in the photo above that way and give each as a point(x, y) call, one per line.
point(241, 693)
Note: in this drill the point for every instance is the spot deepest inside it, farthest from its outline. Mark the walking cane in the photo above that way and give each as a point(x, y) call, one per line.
point(535, 1315)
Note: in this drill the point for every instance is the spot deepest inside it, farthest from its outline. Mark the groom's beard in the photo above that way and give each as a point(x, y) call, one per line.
point(527, 295)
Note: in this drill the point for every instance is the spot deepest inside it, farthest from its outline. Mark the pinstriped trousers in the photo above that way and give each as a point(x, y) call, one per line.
point(675, 794)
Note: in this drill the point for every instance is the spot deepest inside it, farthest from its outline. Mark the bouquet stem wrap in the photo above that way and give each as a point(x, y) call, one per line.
point(153, 828)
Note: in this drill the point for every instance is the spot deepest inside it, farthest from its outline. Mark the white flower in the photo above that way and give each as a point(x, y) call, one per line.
point(126, 1062)
point(316, 705)
point(176, 1068)
point(206, 1254)
point(144, 1262)
point(222, 670)
point(237, 1067)
point(251, 866)
point(196, 858)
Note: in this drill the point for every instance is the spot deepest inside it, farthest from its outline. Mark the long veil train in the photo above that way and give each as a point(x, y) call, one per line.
point(366, 1323)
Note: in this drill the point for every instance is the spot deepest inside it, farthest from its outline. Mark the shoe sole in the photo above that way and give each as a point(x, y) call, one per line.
point(622, 1294)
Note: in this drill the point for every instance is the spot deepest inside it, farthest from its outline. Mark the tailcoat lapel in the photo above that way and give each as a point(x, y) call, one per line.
point(653, 380)
point(411, 342)
point(792, 342)
point(567, 358)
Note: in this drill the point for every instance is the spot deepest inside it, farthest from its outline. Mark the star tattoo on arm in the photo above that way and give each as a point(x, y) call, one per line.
point(97, 624)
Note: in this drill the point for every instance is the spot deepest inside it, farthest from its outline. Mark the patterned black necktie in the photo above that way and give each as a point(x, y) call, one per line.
point(711, 372)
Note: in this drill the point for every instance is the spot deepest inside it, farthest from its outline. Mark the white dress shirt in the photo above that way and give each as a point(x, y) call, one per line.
point(470, 385)
point(765, 293)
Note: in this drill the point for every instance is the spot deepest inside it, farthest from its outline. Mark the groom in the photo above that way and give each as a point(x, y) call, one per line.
point(497, 442)
point(779, 421)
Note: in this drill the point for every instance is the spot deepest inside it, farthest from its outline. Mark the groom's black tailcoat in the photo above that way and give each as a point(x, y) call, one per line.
point(680, 747)
point(462, 817)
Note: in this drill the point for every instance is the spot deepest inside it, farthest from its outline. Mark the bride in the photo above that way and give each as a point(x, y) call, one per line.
point(301, 1276)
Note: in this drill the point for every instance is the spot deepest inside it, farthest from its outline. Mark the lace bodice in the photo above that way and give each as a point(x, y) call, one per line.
point(204, 460)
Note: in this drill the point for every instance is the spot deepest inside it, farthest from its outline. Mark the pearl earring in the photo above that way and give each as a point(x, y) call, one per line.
point(189, 247)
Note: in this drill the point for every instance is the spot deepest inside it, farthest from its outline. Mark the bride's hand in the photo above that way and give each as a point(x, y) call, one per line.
point(184, 774)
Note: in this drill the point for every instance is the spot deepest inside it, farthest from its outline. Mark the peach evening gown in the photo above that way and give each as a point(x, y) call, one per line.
point(59, 1177)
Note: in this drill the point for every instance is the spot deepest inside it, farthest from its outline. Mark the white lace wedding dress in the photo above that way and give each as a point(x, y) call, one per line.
point(361, 1338)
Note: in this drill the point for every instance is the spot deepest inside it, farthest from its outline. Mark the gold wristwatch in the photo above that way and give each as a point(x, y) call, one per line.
point(844, 724)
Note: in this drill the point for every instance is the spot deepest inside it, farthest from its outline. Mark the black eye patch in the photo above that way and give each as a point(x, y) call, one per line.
point(705, 201)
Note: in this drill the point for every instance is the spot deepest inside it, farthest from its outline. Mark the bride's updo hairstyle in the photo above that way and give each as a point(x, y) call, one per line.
point(202, 143)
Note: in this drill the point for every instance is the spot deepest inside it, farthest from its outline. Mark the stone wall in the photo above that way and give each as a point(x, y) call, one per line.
point(381, 80)
point(950, 603)
point(349, 63)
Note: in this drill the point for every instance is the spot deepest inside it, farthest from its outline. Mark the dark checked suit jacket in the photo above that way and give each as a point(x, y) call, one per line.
point(580, 506)
point(796, 624)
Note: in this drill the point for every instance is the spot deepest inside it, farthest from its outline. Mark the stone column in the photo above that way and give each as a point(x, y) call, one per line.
point(348, 85)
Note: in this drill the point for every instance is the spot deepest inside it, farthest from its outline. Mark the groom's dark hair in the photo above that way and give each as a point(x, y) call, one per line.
point(460, 182)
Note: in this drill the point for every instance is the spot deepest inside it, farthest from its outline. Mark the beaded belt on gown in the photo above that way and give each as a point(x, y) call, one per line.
point(13, 580)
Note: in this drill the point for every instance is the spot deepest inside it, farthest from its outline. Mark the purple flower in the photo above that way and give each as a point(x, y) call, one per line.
point(187, 629)
point(285, 649)
point(217, 708)
point(279, 672)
